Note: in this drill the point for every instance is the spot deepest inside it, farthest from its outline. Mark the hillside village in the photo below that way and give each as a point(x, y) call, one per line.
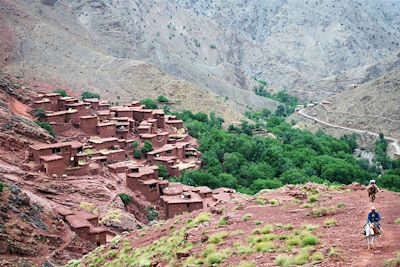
point(94, 136)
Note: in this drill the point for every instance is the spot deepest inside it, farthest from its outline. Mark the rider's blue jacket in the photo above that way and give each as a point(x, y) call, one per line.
point(374, 217)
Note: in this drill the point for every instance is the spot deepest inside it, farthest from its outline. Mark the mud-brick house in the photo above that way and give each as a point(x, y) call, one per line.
point(173, 122)
point(98, 235)
point(44, 104)
point(177, 204)
point(53, 98)
point(122, 130)
point(159, 115)
point(64, 101)
point(82, 108)
point(203, 191)
point(123, 167)
point(166, 150)
point(107, 129)
point(103, 115)
point(55, 158)
point(94, 103)
point(88, 124)
point(144, 128)
point(79, 225)
point(135, 104)
point(114, 155)
point(104, 143)
point(52, 164)
point(157, 140)
point(144, 180)
point(140, 114)
point(124, 112)
point(103, 105)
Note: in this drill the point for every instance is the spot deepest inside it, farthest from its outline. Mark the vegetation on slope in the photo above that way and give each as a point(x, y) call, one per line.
point(235, 158)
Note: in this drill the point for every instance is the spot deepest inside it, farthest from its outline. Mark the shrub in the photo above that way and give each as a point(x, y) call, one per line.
point(247, 264)
point(312, 198)
point(1, 187)
point(40, 113)
point(126, 199)
point(152, 214)
point(200, 219)
point(162, 171)
point(288, 226)
point(147, 147)
point(247, 217)
point(61, 92)
point(293, 241)
point(309, 227)
point(259, 222)
point(267, 229)
point(397, 221)
point(223, 221)
point(309, 241)
point(395, 262)
point(89, 207)
point(215, 258)
point(334, 253)
point(149, 103)
point(330, 223)
point(274, 202)
point(323, 212)
point(282, 260)
point(341, 205)
point(261, 201)
point(137, 154)
point(317, 256)
point(264, 247)
point(217, 238)
point(87, 95)
point(162, 99)
point(47, 127)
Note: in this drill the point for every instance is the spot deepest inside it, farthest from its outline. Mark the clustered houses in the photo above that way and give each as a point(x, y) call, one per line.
point(109, 136)
point(85, 225)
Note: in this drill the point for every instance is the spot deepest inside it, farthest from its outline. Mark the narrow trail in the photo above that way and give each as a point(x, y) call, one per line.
point(386, 246)
point(392, 141)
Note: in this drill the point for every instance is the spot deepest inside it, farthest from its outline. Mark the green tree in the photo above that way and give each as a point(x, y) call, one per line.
point(126, 199)
point(162, 99)
point(1, 187)
point(40, 113)
point(152, 214)
point(162, 171)
point(147, 147)
point(47, 127)
point(61, 92)
point(88, 95)
point(137, 154)
point(149, 103)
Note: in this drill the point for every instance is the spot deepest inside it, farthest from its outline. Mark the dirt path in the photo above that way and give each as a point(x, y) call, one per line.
point(392, 141)
point(19, 108)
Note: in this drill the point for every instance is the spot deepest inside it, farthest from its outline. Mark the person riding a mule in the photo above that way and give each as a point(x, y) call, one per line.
point(372, 189)
point(374, 218)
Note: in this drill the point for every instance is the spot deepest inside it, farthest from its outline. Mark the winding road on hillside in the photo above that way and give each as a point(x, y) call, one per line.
point(392, 141)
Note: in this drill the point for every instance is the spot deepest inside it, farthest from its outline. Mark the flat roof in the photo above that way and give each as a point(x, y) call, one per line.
point(102, 140)
point(176, 199)
point(103, 112)
point(97, 230)
point(77, 104)
point(86, 215)
point(52, 157)
point(88, 117)
point(204, 189)
point(92, 100)
point(158, 111)
point(62, 112)
point(73, 144)
point(150, 181)
point(63, 211)
point(173, 121)
point(165, 158)
point(45, 100)
point(52, 94)
point(166, 147)
point(127, 164)
point(68, 98)
point(147, 135)
point(77, 222)
point(103, 124)
point(142, 171)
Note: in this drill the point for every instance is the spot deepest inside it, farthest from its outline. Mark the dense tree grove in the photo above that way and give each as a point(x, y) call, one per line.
point(238, 159)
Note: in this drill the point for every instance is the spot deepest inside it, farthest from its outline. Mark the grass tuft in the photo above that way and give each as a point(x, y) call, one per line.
point(330, 223)
point(200, 219)
point(264, 247)
point(218, 237)
point(247, 217)
point(309, 240)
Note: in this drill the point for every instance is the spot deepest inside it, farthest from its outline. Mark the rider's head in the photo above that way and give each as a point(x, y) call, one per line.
point(373, 209)
point(372, 182)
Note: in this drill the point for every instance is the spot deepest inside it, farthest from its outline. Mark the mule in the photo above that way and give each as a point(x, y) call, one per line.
point(371, 232)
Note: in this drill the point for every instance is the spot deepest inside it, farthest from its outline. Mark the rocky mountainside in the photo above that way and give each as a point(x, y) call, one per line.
point(311, 226)
point(127, 49)
point(372, 107)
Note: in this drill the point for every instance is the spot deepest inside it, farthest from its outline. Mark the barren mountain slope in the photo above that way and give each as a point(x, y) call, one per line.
point(242, 231)
point(373, 106)
point(51, 46)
